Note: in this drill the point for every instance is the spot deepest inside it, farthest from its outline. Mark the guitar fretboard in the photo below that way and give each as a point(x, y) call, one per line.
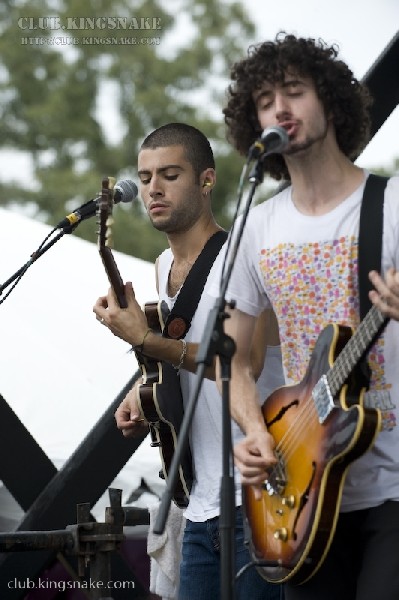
point(354, 350)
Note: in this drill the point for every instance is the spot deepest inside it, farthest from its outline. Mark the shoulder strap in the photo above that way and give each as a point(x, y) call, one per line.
point(179, 319)
point(370, 236)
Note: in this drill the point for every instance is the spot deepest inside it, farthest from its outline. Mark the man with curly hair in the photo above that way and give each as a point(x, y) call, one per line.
point(299, 255)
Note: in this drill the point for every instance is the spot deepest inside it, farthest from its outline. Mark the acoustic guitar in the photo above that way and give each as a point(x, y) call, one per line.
point(320, 426)
point(159, 395)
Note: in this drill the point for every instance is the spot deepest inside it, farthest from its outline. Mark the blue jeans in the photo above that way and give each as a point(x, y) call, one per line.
point(200, 565)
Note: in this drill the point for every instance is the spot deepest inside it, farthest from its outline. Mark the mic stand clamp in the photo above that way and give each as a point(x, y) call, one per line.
point(256, 175)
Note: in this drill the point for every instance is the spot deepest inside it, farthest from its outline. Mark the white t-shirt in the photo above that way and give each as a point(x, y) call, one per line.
point(305, 267)
point(206, 427)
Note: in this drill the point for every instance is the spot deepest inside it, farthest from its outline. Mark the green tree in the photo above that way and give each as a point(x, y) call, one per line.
point(145, 64)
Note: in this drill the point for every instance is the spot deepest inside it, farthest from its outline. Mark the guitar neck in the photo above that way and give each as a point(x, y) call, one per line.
point(355, 349)
point(114, 276)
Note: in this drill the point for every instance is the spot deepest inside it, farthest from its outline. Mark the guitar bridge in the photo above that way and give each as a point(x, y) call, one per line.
point(275, 484)
point(323, 399)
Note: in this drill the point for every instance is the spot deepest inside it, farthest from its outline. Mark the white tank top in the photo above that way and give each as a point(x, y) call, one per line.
point(206, 427)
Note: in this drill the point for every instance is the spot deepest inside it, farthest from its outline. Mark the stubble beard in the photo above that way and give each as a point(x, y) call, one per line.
point(180, 220)
point(310, 140)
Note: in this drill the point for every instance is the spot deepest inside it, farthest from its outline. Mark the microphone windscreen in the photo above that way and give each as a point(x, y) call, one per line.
point(125, 191)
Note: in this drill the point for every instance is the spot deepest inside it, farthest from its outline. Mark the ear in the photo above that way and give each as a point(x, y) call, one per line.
point(208, 179)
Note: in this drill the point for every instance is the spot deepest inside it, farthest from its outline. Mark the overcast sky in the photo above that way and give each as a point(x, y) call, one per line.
point(361, 28)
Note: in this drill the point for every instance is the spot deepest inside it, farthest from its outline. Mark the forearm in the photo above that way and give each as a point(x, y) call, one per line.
point(172, 351)
point(131, 325)
point(244, 400)
point(247, 332)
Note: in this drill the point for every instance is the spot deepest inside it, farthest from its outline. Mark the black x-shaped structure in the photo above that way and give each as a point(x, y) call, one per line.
point(49, 497)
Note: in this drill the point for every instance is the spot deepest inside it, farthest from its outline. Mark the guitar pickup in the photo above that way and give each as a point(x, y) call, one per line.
point(323, 399)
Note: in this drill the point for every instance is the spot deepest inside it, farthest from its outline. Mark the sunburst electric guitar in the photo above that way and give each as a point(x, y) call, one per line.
point(159, 395)
point(320, 426)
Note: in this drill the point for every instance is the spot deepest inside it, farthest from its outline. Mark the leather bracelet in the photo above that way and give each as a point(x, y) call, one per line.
point(139, 347)
point(182, 355)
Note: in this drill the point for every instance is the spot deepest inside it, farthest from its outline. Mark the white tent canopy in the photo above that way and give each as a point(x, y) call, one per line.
point(59, 368)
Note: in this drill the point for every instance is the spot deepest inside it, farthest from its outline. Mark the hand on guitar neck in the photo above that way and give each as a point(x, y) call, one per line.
point(129, 324)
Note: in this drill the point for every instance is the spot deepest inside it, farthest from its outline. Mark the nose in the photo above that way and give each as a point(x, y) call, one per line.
point(155, 187)
point(281, 106)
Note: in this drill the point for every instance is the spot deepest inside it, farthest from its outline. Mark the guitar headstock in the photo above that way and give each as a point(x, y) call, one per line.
point(105, 221)
point(104, 213)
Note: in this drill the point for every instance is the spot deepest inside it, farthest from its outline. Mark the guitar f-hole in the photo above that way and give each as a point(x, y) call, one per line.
point(304, 499)
point(281, 412)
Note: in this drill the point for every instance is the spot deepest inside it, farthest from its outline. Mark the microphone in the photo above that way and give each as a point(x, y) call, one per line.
point(124, 191)
point(272, 141)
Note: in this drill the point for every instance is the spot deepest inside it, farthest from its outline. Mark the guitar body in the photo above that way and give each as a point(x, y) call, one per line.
point(292, 526)
point(160, 400)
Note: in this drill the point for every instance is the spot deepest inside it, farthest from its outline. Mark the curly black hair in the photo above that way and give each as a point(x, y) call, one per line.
point(342, 96)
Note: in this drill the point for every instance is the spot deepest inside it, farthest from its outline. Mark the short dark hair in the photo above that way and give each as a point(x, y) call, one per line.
point(196, 145)
point(341, 94)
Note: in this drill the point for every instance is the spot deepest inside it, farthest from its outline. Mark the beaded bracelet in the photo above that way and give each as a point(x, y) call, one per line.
point(182, 355)
point(139, 347)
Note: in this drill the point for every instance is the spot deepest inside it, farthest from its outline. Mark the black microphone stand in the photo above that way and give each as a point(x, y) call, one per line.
point(34, 256)
point(215, 342)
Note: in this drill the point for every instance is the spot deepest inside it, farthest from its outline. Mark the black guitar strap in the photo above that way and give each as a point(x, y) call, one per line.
point(370, 237)
point(179, 319)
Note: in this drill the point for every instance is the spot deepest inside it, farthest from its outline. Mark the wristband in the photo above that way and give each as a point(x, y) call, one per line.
point(139, 347)
point(182, 355)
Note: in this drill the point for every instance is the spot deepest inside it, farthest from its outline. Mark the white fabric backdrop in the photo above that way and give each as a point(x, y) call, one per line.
point(59, 368)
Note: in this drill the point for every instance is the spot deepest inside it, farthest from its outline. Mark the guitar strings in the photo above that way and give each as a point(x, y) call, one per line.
point(290, 440)
point(336, 377)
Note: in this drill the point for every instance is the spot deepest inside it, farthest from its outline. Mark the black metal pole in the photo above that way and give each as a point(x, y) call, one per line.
point(36, 540)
